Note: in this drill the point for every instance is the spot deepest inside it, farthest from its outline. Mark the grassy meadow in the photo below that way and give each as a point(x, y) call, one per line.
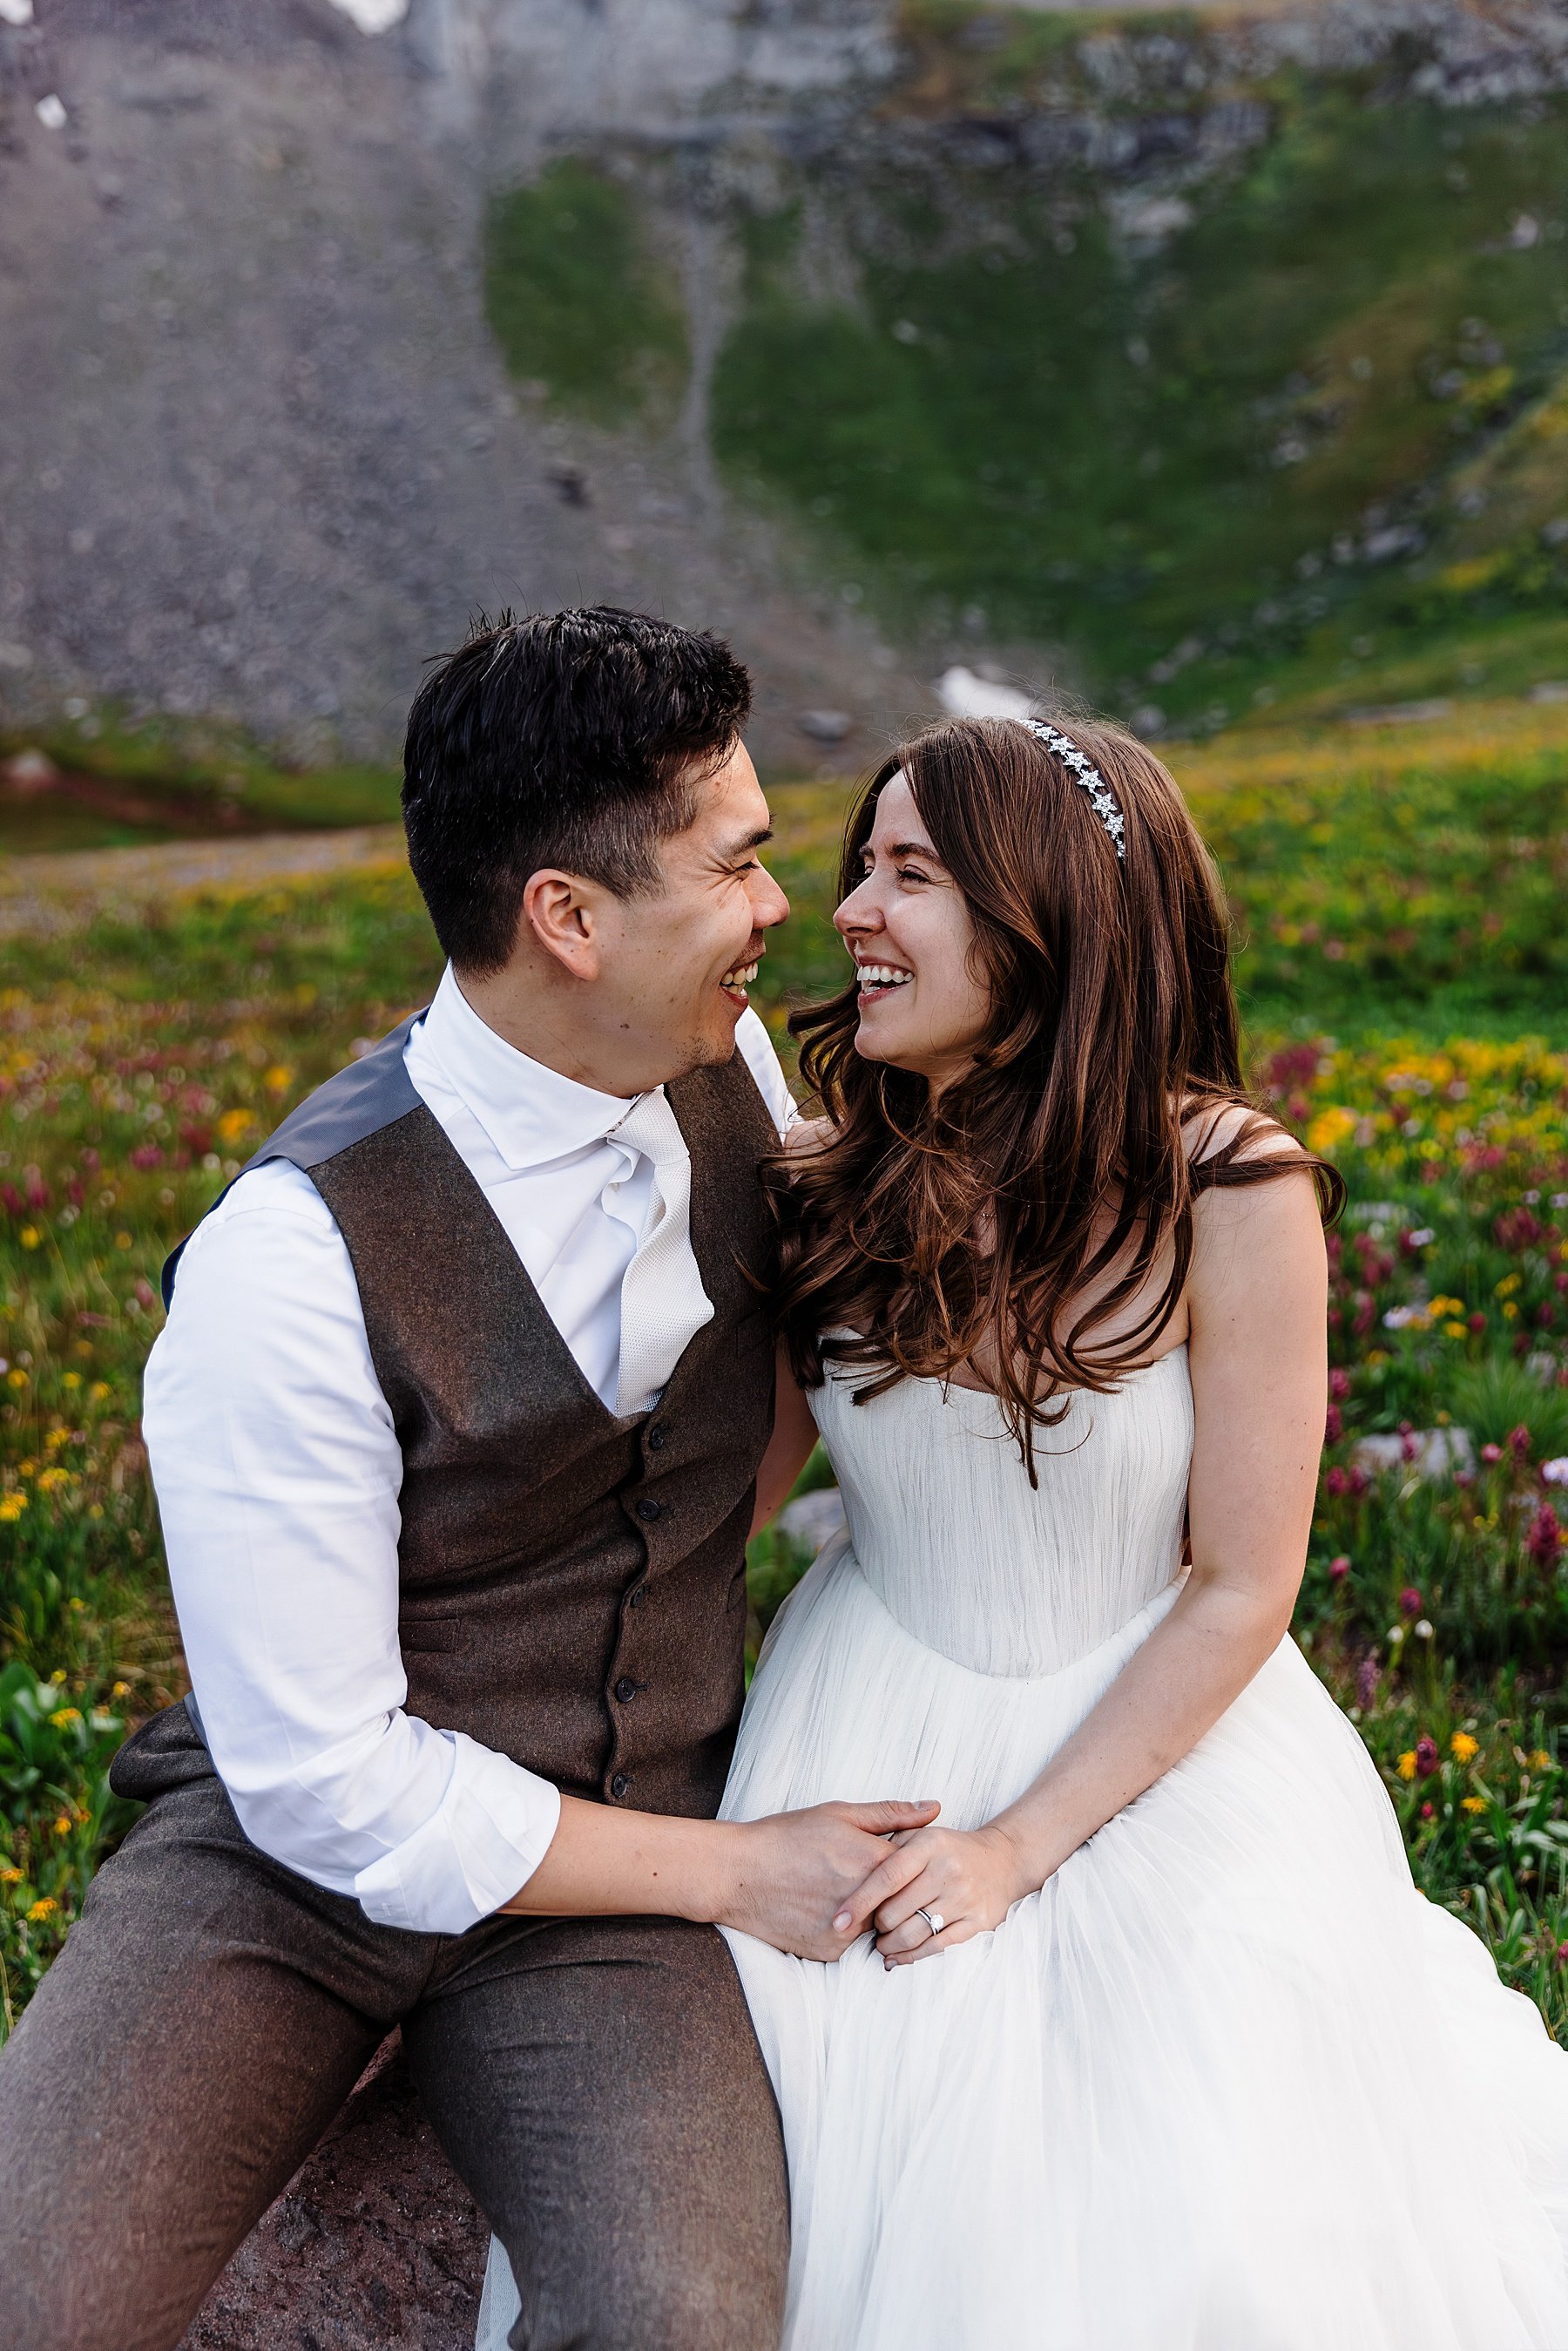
point(1398, 897)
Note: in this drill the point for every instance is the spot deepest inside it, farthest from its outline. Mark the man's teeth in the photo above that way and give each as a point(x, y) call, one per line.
point(883, 974)
point(742, 978)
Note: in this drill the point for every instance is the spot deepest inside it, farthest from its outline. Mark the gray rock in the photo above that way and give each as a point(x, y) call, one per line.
point(374, 2245)
point(1439, 1452)
point(825, 726)
point(813, 1518)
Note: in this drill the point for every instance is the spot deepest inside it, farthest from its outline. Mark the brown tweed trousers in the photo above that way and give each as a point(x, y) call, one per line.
point(572, 1594)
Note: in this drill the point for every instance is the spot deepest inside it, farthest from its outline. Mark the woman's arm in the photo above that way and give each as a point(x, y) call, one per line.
point(1258, 1300)
point(789, 1448)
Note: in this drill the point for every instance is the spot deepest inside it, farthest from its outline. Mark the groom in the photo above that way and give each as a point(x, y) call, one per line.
point(455, 1422)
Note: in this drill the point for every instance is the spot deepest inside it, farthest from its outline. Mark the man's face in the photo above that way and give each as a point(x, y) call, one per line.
point(675, 963)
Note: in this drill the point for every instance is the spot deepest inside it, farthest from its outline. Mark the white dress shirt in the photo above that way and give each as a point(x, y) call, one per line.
point(278, 1474)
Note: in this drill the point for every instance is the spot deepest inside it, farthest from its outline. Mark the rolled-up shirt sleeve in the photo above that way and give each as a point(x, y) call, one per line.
point(277, 1470)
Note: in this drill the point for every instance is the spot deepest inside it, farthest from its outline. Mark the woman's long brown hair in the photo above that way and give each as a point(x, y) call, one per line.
point(926, 1236)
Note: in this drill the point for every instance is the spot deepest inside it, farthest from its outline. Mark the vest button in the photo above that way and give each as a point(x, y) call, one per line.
point(620, 1783)
point(626, 1689)
point(649, 1509)
point(636, 1600)
point(656, 1440)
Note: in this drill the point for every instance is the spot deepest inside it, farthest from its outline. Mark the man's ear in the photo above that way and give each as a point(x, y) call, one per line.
point(563, 914)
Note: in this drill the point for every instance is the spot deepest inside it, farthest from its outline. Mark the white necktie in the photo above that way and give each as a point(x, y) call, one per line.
point(662, 1301)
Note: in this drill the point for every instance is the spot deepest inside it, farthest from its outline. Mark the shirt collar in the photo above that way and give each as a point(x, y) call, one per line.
point(531, 1112)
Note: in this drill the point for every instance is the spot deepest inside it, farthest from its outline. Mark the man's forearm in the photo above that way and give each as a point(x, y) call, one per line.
point(605, 1862)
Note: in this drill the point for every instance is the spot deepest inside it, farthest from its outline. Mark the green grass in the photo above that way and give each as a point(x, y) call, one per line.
point(1027, 422)
point(123, 781)
point(577, 297)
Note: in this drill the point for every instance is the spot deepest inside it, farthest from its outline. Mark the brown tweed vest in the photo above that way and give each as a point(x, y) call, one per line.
point(573, 1585)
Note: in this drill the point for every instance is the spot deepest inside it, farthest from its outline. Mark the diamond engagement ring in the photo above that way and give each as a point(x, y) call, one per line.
point(933, 1918)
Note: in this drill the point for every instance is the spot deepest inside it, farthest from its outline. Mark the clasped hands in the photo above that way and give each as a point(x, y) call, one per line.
point(812, 1881)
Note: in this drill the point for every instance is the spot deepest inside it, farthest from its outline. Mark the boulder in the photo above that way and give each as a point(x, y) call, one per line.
point(374, 2245)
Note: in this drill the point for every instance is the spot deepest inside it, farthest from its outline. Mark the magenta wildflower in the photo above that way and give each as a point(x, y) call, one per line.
point(1426, 1758)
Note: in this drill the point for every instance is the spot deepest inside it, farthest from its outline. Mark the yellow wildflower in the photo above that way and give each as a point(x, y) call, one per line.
point(57, 1677)
point(70, 1379)
point(18, 1379)
point(120, 1689)
point(1456, 1331)
point(29, 1237)
point(122, 1241)
point(43, 1909)
point(278, 1079)
point(1461, 1747)
point(98, 1390)
point(52, 1479)
point(63, 1825)
point(233, 1124)
point(1472, 1804)
point(10, 1877)
point(64, 1714)
point(1406, 1766)
point(1508, 1285)
point(1539, 1761)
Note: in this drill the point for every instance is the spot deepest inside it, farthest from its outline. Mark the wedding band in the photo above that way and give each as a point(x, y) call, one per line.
point(933, 1918)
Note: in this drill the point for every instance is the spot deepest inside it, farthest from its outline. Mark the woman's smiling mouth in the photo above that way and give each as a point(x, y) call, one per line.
point(881, 979)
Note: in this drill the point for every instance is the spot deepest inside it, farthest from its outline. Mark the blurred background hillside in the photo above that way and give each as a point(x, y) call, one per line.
point(1210, 365)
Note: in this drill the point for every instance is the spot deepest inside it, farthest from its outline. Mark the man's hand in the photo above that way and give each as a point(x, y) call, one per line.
point(968, 1878)
point(795, 1876)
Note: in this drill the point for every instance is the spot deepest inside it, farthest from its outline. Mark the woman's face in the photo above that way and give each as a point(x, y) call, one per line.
point(924, 1002)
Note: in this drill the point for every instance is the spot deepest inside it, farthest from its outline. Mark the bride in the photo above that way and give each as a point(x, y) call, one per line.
point(1147, 2042)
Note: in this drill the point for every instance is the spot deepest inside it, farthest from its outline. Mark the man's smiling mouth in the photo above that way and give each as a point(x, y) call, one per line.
point(736, 981)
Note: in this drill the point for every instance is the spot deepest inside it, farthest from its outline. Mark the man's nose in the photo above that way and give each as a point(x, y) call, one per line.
point(769, 904)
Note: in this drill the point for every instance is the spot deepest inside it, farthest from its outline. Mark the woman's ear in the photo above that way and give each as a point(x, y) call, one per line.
point(561, 910)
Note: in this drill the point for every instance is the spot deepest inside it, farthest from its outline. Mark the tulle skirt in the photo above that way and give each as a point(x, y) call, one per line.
point(1227, 2084)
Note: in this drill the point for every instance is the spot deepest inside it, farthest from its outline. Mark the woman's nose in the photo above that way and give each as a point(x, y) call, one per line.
point(858, 913)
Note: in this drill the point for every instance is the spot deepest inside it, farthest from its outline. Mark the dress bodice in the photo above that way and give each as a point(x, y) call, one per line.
point(975, 1562)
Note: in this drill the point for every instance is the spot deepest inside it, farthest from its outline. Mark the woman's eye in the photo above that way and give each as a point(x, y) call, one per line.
point(908, 873)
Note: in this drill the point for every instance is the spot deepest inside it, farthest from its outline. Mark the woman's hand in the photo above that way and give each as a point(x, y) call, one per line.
point(794, 1879)
point(968, 1878)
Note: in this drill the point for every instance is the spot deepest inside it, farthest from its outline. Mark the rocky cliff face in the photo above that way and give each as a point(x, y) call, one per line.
point(262, 451)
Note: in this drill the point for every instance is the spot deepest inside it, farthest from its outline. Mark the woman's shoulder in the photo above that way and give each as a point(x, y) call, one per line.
point(808, 1136)
point(1224, 1133)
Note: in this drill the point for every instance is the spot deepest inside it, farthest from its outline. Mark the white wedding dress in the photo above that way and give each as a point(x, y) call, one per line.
point(1228, 2082)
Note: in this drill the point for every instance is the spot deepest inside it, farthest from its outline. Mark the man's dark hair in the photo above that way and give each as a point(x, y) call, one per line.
point(562, 738)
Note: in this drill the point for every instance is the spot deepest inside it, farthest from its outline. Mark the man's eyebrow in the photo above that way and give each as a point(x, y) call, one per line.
point(753, 840)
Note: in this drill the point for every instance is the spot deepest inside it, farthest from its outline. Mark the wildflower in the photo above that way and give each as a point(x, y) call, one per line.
point(1555, 1471)
point(1426, 1758)
point(1338, 1384)
point(1428, 1812)
point(57, 1677)
point(11, 1507)
point(62, 1825)
point(276, 1079)
point(120, 1689)
point(1337, 1482)
point(1410, 1601)
point(98, 1390)
point(1472, 1804)
point(16, 1379)
point(1561, 1955)
point(1462, 1747)
point(1406, 1766)
point(122, 1241)
point(10, 1877)
point(70, 1379)
point(233, 1124)
point(29, 1237)
point(63, 1714)
point(1368, 1676)
point(1492, 1453)
point(1518, 1441)
point(1544, 1539)
point(1333, 1425)
point(1423, 1628)
point(46, 1908)
point(1340, 1567)
point(1455, 1331)
point(1538, 1759)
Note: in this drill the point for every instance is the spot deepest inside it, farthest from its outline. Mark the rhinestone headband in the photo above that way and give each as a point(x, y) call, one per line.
point(1106, 806)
